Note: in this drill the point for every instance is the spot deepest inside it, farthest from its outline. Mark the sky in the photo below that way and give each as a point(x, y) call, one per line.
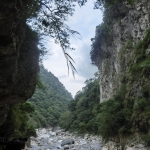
point(84, 20)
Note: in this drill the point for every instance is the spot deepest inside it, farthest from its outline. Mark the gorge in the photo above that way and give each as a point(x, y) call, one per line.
point(120, 50)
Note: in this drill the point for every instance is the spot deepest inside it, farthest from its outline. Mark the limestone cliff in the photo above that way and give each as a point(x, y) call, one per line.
point(19, 56)
point(121, 51)
point(129, 26)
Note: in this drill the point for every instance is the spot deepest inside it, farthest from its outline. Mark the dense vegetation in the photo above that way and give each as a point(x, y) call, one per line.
point(83, 112)
point(18, 121)
point(49, 100)
point(42, 110)
point(125, 113)
point(86, 115)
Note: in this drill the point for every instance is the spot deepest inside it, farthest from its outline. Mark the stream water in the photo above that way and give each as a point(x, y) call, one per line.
point(51, 139)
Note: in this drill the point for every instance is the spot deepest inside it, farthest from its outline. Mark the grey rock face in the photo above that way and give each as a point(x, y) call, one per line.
point(129, 28)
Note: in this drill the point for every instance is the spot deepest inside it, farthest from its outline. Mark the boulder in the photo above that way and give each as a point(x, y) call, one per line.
point(67, 142)
point(66, 147)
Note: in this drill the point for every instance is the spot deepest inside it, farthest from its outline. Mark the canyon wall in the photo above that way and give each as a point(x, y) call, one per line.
point(129, 26)
point(19, 56)
point(121, 51)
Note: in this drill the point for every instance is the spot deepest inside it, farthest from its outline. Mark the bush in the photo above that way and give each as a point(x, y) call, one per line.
point(65, 120)
point(111, 118)
point(114, 117)
point(146, 138)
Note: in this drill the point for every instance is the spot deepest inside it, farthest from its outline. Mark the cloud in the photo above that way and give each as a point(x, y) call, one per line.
point(62, 77)
point(73, 85)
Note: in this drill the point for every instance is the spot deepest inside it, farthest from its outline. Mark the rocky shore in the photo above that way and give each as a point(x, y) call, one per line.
point(135, 145)
point(58, 139)
point(52, 139)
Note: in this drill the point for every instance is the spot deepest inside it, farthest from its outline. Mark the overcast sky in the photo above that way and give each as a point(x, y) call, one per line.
point(84, 20)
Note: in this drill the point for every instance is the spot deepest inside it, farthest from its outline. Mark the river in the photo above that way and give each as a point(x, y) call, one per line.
point(51, 139)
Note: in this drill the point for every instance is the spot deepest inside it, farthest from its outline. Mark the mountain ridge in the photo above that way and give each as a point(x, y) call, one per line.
point(49, 101)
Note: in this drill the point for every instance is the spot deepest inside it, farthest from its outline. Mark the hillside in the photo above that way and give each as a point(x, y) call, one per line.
point(49, 101)
point(83, 112)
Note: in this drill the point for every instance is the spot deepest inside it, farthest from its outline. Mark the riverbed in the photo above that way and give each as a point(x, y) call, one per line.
point(51, 139)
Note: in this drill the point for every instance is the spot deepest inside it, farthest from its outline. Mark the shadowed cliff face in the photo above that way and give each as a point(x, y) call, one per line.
point(19, 57)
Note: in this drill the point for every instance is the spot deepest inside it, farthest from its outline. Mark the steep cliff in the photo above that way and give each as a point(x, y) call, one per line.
point(19, 56)
point(128, 26)
point(121, 51)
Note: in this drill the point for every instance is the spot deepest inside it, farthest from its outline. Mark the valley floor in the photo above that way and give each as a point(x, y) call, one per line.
point(49, 139)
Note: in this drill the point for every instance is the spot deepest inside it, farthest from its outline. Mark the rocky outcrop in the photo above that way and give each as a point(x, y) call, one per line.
point(19, 57)
point(129, 25)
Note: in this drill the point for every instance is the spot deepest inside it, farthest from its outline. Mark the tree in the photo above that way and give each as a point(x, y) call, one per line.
point(66, 119)
point(49, 102)
point(83, 110)
point(50, 17)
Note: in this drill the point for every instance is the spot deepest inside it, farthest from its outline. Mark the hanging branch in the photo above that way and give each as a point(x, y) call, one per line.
point(50, 22)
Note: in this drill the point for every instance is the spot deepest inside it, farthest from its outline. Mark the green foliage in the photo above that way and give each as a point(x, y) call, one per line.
point(139, 71)
point(146, 138)
point(50, 19)
point(83, 110)
point(108, 3)
point(125, 60)
point(141, 115)
point(107, 119)
point(66, 120)
point(142, 67)
point(27, 107)
point(113, 119)
point(102, 33)
point(49, 102)
point(114, 116)
point(18, 121)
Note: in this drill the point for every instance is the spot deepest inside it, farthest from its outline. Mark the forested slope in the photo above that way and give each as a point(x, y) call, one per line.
point(83, 112)
point(49, 101)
